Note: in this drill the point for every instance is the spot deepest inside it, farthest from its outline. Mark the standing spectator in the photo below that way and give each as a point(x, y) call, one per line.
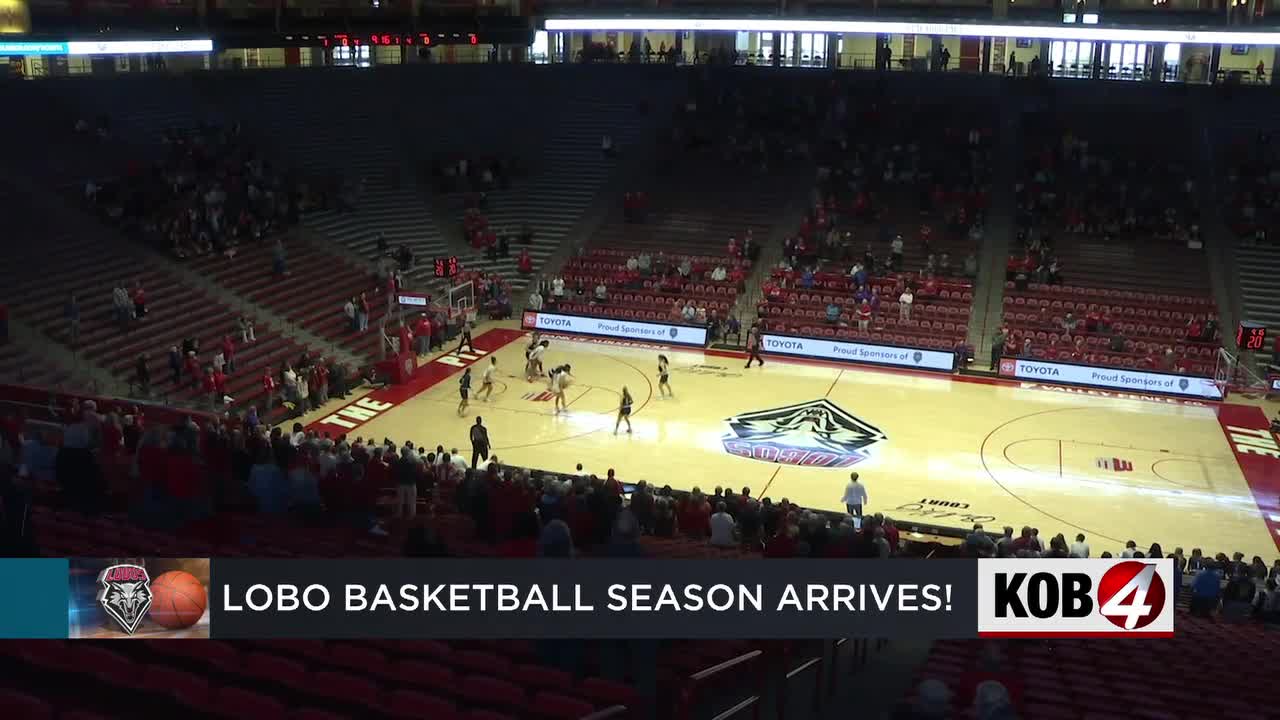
point(895, 254)
point(997, 346)
point(229, 352)
point(722, 527)
point(219, 361)
point(855, 496)
point(139, 300)
point(246, 330)
point(405, 472)
point(1206, 586)
point(142, 375)
point(269, 387)
point(1080, 548)
point(864, 316)
point(122, 304)
point(72, 315)
point(362, 313)
point(175, 364)
point(279, 264)
point(904, 303)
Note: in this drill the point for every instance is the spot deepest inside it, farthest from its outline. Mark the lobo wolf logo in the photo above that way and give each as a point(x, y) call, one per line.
point(125, 594)
point(817, 433)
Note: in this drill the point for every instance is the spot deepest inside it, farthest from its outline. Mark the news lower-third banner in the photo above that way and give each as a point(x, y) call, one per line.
point(159, 598)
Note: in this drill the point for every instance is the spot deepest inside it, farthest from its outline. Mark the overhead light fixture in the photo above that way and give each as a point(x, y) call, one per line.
point(884, 27)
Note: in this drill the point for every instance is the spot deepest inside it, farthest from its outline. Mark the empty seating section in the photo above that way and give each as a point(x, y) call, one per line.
point(311, 296)
point(936, 321)
point(1091, 680)
point(650, 297)
point(560, 172)
point(353, 154)
point(1109, 227)
point(78, 257)
point(1148, 324)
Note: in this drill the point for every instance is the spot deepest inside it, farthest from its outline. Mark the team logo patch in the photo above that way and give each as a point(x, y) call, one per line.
point(675, 332)
point(1008, 366)
point(125, 594)
point(817, 433)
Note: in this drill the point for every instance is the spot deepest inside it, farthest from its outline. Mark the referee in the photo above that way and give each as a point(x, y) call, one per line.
point(753, 346)
point(479, 443)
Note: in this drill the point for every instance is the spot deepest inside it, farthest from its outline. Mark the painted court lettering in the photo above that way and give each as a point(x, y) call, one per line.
point(357, 413)
point(1254, 440)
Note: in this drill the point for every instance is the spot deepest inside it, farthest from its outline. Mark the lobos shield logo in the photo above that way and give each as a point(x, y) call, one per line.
point(813, 434)
point(125, 594)
point(675, 332)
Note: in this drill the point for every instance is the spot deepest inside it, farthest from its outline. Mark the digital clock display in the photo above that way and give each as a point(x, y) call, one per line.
point(447, 267)
point(420, 39)
point(1251, 336)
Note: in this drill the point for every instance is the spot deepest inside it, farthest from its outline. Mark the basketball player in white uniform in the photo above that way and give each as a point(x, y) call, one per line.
point(486, 380)
point(533, 367)
point(560, 380)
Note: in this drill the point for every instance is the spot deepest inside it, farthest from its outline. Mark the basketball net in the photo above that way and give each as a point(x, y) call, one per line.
point(1231, 373)
point(462, 301)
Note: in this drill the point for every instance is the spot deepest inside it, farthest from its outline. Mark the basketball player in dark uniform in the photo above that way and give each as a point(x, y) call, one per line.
point(664, 378)
point(624, 411)
point(465, 342)
point(464, 389)
point(753, 347)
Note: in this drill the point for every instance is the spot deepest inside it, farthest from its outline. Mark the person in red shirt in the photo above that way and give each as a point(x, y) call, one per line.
point(406, 337)
point(322, 380)
point(864, 316)
point(193, 368)
point(525, 264)
point(269, 387)
point(209, 388)
point(139, 300)
point(422, 332)
point(229, 352)
point(220, 383)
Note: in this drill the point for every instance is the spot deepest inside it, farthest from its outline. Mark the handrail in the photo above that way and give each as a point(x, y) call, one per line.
point(754, 700)
point(684, 704)
point(609, 713)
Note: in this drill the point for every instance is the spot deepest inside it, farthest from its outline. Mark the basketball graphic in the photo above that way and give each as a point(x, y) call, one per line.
point(178, 600)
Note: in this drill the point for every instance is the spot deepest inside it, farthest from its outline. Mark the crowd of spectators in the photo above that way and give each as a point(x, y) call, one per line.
point(1081, 187)
point(1253, 187)
point(210, 192)
point(183, 473)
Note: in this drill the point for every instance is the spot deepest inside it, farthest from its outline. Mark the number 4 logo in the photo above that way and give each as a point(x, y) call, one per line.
point(1131, 595)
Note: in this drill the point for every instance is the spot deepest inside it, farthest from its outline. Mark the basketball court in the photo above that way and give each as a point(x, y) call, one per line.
point(933, 450)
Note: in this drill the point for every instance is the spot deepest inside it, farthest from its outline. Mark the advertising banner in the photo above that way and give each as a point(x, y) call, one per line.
point(642, 330)
point(864, 353)
point(1111, 378)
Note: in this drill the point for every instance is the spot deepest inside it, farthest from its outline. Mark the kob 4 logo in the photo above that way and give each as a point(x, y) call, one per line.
point(1075, 598)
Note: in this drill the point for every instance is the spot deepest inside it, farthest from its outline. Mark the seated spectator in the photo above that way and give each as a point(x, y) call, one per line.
point(833, 313)
point(719, 274)
point(602, 293)
point(689, 314)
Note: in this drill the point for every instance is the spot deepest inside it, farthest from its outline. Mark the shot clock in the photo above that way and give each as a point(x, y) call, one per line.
point(447, 267)
point(1251, 336)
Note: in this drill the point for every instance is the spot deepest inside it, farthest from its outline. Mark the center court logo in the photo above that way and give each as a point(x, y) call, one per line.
point(125, 595)
point(817, 433)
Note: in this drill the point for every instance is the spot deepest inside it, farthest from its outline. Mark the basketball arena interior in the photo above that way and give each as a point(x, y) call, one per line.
point(729, 281)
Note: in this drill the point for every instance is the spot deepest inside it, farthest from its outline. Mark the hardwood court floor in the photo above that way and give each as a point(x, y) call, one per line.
point(930, 449)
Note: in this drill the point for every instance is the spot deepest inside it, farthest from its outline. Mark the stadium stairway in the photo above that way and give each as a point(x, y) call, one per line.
point(349, 142)
point(308, 301)
point(569, 175)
